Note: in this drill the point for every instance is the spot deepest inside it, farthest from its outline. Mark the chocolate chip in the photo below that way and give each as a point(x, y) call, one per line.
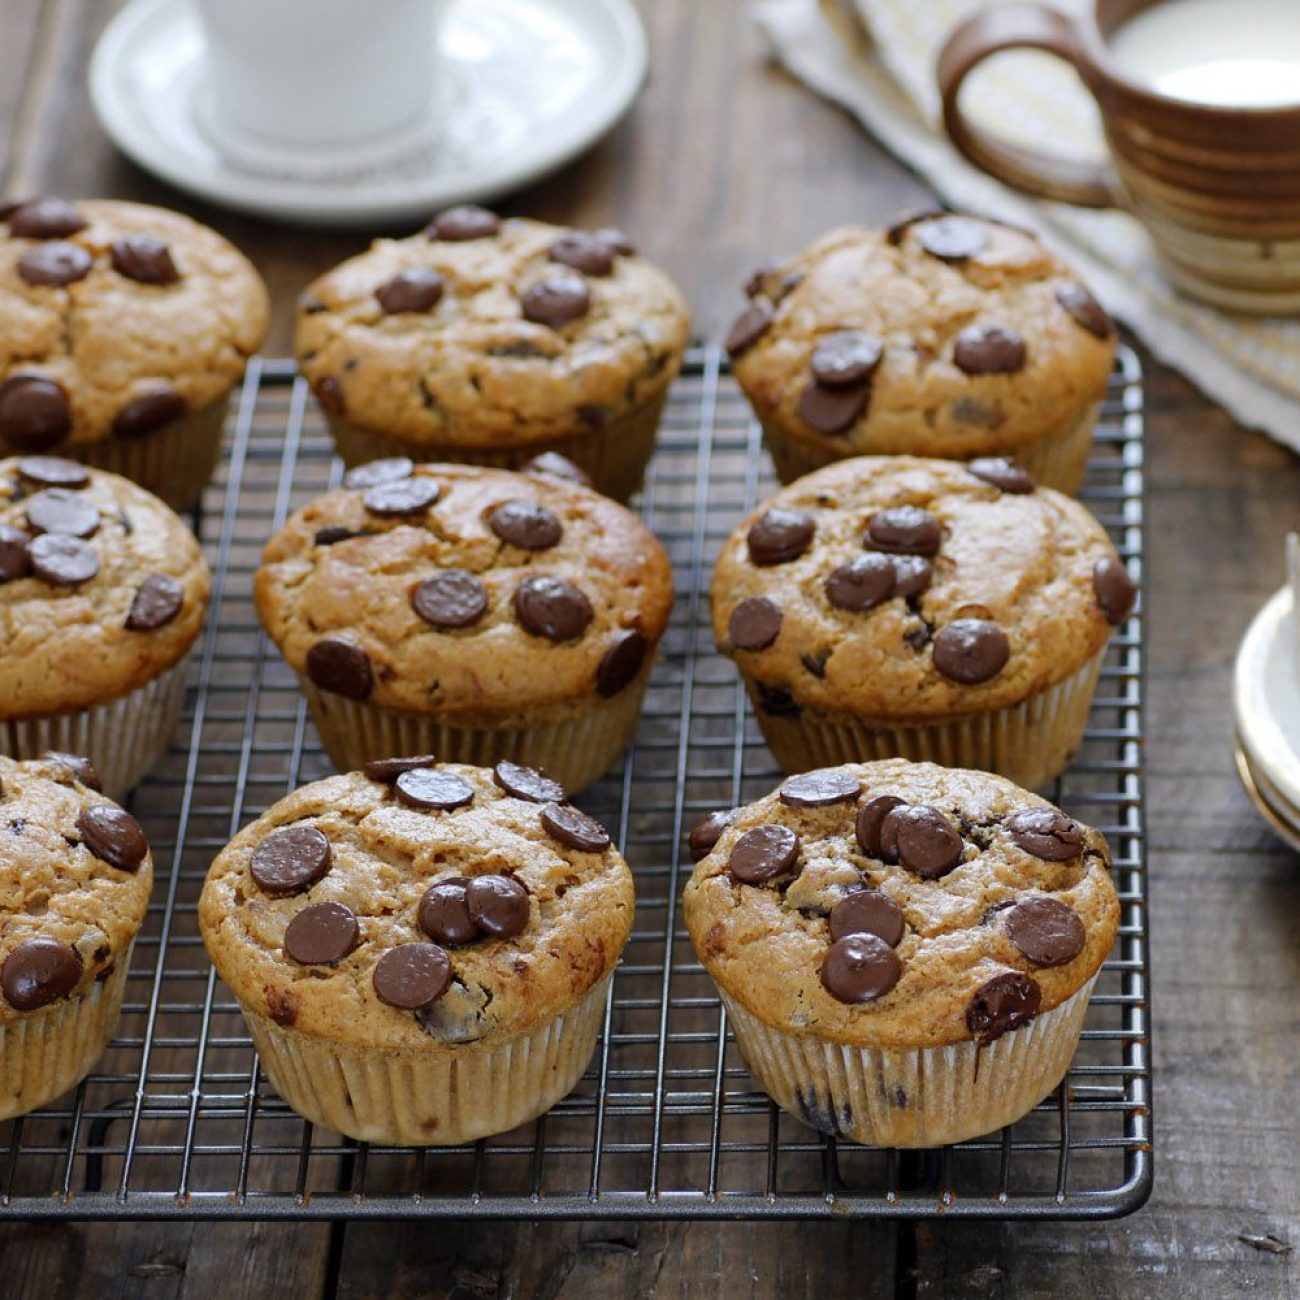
point(574, 829)
point(763, 854)
point(862, 583)
point(1116, 592)
point(113, 835)
point(144, 259)
point(586, 253)
point(387, 770)
point(1002, 1004)
point(62, 510)
point(468, 221)
point(46, 219)
point(526, 524)
point(754, 624)
point(329, 393)
point(34, 413)
point(149, 411)
point(417, 289)
point(912, 575)
point(452, 598)
point(780, 535)
point(989, 350)
point(15, 558)
point(613, 237)
point(553, 465)
point(871, 816)
point(81, 768)
point(750, 326)
point(1046, 930)
point(157, 601)
point(777, 702)
point(831, 410)
point(868, 911)
point(552, 608)
point(55, 264)
point(1085, 310)
point(970, 650)
point(846, 358)
point(756, 282)
point(952, 238)
point(528, 783)
point(621, 662)
point(291, 860)
point(815, 663)
point(379, 471)
point(443, 914)
point(54, 471)
point(1046, 833)
point(497, 904)
point(904, 530)
point(860, 968)
point(707, 832)
point(341, 667)
point(819, 789)
point(333, 533)
point(894, 233)
point(38, 972)
point(432, 789)
point(404, 496)
point(1003, 473)
point(557, 300)
point(922, 839)
point(63, 561)
point(412, 975)
point(322, 934)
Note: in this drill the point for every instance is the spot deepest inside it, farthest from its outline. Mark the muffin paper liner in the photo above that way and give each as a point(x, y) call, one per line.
point(575, 750)
point(123, 738)
point(911, 1097)
point(440, 1095)
point(45, 1053)
point(1030, 742)
point(1057, 459)
point(615, 456)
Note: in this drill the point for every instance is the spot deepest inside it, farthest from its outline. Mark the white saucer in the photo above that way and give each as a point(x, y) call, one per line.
point(528, 85)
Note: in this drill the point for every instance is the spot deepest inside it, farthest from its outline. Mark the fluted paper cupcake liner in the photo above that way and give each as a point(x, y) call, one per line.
point(1030, 743)
point(1058, 459)
point(575, 750)
point(440, 1095)
point(45, 1053)
point(123, 738)
point(615, 456)
point(911, 1097)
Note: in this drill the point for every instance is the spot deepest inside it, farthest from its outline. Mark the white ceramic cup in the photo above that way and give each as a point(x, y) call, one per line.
point(318, 72)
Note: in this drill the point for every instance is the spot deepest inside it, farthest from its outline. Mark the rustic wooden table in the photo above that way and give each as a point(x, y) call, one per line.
point(722, 142)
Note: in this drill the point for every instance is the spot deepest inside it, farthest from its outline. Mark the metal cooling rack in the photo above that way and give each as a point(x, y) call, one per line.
point(177, 1121)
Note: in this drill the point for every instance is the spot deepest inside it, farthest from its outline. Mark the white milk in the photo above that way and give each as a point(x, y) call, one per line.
point(1240, 53)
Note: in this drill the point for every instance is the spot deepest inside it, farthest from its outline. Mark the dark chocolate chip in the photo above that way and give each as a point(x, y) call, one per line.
point(1003, 473)
point(904, 530)
point(54, 471)
point(1085, 310)
point(526, 524)
point(333, 533)
point(443, 914)
point(912, 575)
point(412, 975)
point(113, 835)
point(431, 789)
point(819, 789)
point(403, 496)
point(376, 472)
point(387, 770)
point(144, 259)
point(329, 393)
point(553, 465)
point(750, 326)
point(586, 253)
point(1046, 833)
point(528, 783)
point(149, 411)
point(63, 561)
point(860, 968)
point(756, 283)
point(989, 350)
point(468, 221)
point(38, 972)
point(832, 410)
point(763, 854)
point(15, 557)
point(707, 832)
point(341, 667)
point(815, 662)
point(322, 934)
point(290, 860)
point(34, 413)
point(777, 702)
point(613, 237)
point(871, 816)
point(952, 238)
point(555, 301)
point(417, 289)
point(868, 911)
point(1116, 592)
point(550, 607)
point(157, 601)
point(1046, 930)
point(754, 624)
point(497, 905)
point(846, 358)
point(81, 768)
point(574, 829)
point(62, 510)
point(46, 219)
point(55, 264)
point(1002, 1004)
point(862, 583)
point(780, 535)
point(922, 839)
point(970, 650)
point(452, 598)
point(621, 662)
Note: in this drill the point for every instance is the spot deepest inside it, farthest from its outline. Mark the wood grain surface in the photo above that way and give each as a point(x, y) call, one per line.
point(723, 161)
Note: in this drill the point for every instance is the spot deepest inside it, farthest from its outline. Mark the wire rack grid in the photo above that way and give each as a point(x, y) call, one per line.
point(178, 1121)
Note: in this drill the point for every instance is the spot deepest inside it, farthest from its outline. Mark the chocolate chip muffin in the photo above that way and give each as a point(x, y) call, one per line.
point(123, 329)
point(471, 613)
point(490, 341)
point(945, 335)
point(893, 606)
point(75, 876)
point(905, 951)
point(103, 591)
point(422, 952)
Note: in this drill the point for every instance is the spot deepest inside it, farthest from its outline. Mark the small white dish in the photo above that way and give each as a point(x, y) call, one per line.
point(1283, 819)
point(528, 85)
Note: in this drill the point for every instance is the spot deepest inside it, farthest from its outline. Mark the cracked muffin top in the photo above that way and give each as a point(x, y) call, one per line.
point(422, 901)
point(75, 876)
point(476, 594)
point(897, 904)
point(491, 332)
point(102, 587)
point(899, 588)
point(946, 335)
point(117, 318)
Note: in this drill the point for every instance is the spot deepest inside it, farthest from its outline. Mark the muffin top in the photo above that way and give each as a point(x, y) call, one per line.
point(899, 588)
point(102, 588)
point(115, 319)
point(898, 904)
point(75, 876)
point(481, 331)
point(945, 335)
point(476, 594)
point(418, 902)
